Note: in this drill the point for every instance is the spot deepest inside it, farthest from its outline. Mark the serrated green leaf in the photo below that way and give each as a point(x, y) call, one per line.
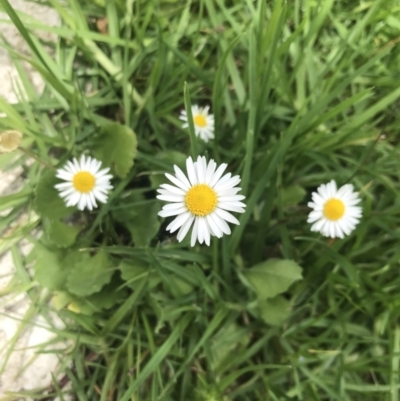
point(273, 277)
point(90, 274)
point(47, 201)
point(49, 271)
point(134, 273)
point(141, 221)
point(274, 311)
point(59, 234)
point(116, 147)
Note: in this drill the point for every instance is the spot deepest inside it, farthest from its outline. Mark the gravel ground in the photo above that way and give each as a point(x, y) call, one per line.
point(26, 368)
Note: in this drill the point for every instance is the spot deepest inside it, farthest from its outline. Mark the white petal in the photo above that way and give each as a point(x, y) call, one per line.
point(207, 233)
point(221, 223)
point(82, 202)
point(318, 225)
point(182, 177)
point(222, 181)
point(101, 197)
point(332, 189)
point(168, 213)
point(233, 203)
point(339, 232)
point(229, 191)
point(314, 216)
point(82, 163)
point(194, 232)
point(210, 170)
point(200, 170)
point(231, 198)
point(317, 198)
point(178, 222)
point(67, 192)
point(71, 167)
point(331, 230)
point(204, 137)
point(73, 199)
point(63, 185)
point(88, 202)
point(184, 229)
point(323, 192)
point(178, 182)
point(232, 182)
point(173, 206)
point(64, 175)
point(201, 230)
point(231, 208)
point(226, 216)
point(92, 199)
point(214, 227)
point(170, 198)
point(173, 189)
point(217, 175)
point(191, 171)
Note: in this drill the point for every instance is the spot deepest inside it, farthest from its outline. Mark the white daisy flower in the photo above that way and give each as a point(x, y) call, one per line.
point(203, 122)
point(335, 213)
point(85, 183)
point(201, 198)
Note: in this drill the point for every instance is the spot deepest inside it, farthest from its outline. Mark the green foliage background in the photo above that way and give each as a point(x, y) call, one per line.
point(303, 92)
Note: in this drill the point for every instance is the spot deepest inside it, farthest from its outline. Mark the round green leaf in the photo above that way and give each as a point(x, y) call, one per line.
point(274, 311)
point(141, 221)
point(90, 274)
point(273, 277)
point(49, 271)
point(135, 273)
point(60, 234)
point(292, 195)
point(116, 147)
point(47, 201)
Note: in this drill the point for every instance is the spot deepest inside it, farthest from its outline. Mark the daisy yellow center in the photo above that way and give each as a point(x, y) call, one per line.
point(334, 209)
point(201, 200)
point(200, 120)
point(84, 181)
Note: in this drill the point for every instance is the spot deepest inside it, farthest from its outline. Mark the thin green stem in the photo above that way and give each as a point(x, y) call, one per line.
point(188, 107)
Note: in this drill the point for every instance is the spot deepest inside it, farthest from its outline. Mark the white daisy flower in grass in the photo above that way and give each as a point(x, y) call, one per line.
point(203, 122)
point(335, 212)
point(203, 199)
point(85, 183)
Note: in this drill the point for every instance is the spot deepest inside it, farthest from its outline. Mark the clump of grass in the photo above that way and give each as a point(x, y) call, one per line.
point(302, 93)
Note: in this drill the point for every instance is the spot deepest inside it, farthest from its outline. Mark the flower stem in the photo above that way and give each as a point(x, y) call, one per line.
point(188, 106)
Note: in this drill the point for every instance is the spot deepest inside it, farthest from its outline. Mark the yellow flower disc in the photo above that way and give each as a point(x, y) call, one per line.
point(84, 181)
point(201, 200)
point(200, 120)
point(334, 209)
